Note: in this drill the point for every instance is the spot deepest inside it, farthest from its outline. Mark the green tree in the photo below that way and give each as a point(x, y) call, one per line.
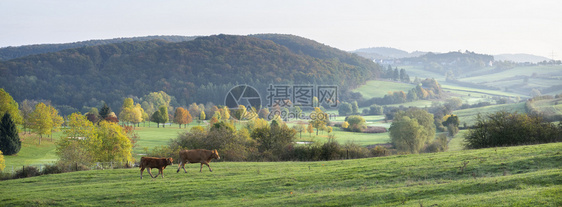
point(405, 135)
point(376, 110)
point(408, 136)
point(345, 109)
point(160, 116)
point(8, 105)
point(41, 120)
point(356, 123)
point(354, 107)
point(10, 142)
point(104, 111)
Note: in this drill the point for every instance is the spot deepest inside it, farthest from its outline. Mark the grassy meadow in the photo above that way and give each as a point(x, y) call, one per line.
point(505, 176)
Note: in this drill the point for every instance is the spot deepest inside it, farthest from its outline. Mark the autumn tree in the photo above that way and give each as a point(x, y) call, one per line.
point(194, 109)
point(41, 121)
point(299, 128)
point(225, 113)
point(127, 114)
point(10, 142)
point(26, 109)
point(112, 144)
point(309, 129)
point(202, 115)
point(319, 119)
point(240, 112)
point(57, 120)
point(8, 105)
point(2, 162)
point(79, 142)
point(182, 116)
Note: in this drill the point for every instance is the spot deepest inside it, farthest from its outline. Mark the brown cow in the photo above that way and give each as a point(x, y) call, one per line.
point(153, 162)
point(197, 156)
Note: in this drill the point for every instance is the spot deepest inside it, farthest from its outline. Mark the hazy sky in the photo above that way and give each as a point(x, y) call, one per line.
point(482, 26)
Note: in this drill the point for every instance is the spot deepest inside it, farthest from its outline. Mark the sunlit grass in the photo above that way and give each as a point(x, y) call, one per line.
point(512, 176)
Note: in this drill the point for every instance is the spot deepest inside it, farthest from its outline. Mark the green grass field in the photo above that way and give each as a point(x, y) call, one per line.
point(505, 176)
point(378, 88)
point(468, 116)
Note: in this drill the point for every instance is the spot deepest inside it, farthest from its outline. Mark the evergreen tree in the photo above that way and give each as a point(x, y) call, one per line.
point(10, 142)
point(104, 111)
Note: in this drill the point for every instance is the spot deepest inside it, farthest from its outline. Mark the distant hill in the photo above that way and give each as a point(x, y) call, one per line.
point(520, 58)
point(201, 70)
point(8, 53)
point(386, 53)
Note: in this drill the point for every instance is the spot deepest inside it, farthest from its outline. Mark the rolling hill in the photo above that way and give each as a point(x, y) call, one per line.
point(201, 70)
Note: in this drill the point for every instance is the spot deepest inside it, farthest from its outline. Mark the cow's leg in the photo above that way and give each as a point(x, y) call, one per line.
point(161, 172)
point(142, 169)
point(179, 166)
point(209, 167)
point(183, 166)
point(201, 167)
point(149, 172)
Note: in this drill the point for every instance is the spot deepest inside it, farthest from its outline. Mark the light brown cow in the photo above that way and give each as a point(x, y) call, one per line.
point(197, 156)
point(153, 162)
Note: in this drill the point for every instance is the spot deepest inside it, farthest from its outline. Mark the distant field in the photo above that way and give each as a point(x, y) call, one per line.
point(468, 116)
point(504, 176)
point(378, 88)
point(549, 107)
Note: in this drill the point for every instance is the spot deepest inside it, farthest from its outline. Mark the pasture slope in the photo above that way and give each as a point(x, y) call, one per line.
point(506, 176)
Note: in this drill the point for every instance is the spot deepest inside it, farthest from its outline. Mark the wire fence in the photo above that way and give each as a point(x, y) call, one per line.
point(71, 166)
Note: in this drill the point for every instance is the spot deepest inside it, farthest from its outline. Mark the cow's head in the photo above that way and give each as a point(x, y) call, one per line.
point(216, 155)
point(170, 161)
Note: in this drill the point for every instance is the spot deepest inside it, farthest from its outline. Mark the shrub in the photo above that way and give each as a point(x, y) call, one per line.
point(353, 150)
point(52, 169)
point(507, 129)
point(379, 151)
point(26, 172)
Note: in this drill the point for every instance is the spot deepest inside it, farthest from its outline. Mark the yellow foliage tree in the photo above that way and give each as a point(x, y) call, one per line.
point(2, 162)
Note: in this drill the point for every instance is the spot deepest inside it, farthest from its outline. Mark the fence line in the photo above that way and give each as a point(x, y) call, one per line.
point(72, 167)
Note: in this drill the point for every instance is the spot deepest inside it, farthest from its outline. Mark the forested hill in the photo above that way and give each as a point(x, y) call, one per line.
point(200, 70)
point(8, 53)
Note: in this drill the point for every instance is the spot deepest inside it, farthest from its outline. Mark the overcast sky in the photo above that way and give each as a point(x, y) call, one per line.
point(482, 26)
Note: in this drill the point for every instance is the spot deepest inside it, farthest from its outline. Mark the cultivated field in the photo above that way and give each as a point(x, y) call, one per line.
point(506, 176)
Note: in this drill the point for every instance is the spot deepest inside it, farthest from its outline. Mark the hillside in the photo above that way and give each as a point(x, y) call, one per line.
point(8, 53)
point(386, 53)
point(520, 58)
point(504, 176)
point(200, 71)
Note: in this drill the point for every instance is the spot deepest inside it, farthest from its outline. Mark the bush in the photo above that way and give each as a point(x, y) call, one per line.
point(352, 150)
point(26, 172)
point(52, 169)
point(507, 129)
point(379, 151)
